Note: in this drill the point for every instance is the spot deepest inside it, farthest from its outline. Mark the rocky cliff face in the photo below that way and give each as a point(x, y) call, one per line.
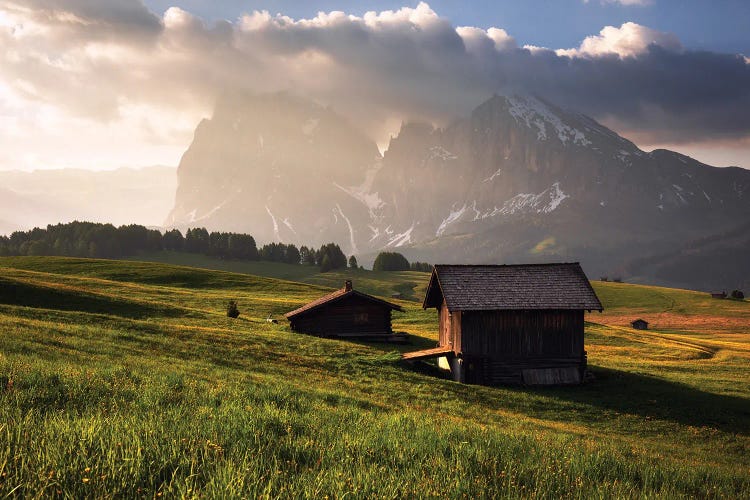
point(517, 180)
point(274, 166)
point(516, 157)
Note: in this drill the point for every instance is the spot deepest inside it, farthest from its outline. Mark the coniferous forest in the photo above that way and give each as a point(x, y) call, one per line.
point(97, 240)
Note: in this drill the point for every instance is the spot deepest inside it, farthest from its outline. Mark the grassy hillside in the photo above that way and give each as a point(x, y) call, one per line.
point(411, 285)
point(127, 379)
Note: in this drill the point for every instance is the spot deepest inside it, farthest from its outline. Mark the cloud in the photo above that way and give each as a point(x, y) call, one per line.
point(629, 40)
point(117, 66)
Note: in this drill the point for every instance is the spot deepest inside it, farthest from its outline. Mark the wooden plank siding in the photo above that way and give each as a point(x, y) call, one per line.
point(352, 315)
point(498, 346)
point(450, 328)
point(522, 334)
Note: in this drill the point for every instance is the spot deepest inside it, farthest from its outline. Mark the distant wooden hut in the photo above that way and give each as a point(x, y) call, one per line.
point(510, 324)
point(719, 295)
point(639, 324)
point(347, 313)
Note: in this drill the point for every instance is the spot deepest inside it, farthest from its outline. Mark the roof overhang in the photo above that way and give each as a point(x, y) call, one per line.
point(337, 297)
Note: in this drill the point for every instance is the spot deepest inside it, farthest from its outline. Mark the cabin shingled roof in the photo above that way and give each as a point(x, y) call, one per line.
point(339, 294)
point(504, 287)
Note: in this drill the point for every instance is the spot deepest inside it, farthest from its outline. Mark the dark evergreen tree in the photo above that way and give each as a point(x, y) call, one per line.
point(292, 255)
point(353, 262)
point(325, 264)
point(173, 240)
point(336, 258)
point(197, 240)
point(390, 261)
point(421, 267)
point(307, 255)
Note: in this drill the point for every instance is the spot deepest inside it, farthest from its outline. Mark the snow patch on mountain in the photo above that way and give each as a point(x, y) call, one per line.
point(534, 113)
point(275, 224)
point(208, 214)
point(440, 153)
point(375, 232)
point(453, 216)
point(288, 224)
point(477, 213)
point(543, 203)
point(363, 194)
point(401, 239)
point(497, 172)
point(678, 191)
point(352, 240)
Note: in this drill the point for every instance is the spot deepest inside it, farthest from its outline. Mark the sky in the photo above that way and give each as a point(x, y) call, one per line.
point(101, 84)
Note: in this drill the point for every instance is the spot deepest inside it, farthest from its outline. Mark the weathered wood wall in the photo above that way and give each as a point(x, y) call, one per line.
point(450, 328)
point(498, 346)
point(349, 316)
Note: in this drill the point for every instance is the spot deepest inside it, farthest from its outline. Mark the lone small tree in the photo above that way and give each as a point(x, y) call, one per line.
point(353, 262)
point(737, 294)
point(232, 310)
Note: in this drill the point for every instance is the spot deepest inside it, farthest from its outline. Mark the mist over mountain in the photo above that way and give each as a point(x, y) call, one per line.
point(274, 166)
point(517, 180)
point(121, 196)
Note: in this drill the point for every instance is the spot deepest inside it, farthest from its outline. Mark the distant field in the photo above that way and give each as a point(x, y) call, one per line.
point(124, 379)
point(411, 285)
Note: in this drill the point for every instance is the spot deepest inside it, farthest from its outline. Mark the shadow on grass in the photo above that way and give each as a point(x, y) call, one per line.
point(20, 293)
point(412, 343)
point(655, 398)
point(611, 394)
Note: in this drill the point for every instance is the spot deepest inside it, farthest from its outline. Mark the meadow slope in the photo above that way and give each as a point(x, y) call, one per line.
point(127, 379)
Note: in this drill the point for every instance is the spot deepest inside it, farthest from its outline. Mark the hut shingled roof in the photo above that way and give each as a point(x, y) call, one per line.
point(507, 287)
point(339, 294)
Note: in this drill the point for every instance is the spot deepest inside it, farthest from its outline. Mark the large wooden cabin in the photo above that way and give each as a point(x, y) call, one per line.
point(511, 324)
point(347, 313)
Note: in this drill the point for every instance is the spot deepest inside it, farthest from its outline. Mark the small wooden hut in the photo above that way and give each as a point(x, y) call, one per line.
point(639, 324)
point(347, 313)
point(510, 323)
point(719, 295)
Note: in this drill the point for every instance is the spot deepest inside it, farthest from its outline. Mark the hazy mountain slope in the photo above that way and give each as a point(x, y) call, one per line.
point(518, 156)
point(522, 180)
point(275, 166)
point(517, 180)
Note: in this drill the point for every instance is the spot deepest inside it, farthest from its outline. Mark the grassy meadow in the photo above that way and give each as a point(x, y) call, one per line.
point(126, 379)
point(411, 285)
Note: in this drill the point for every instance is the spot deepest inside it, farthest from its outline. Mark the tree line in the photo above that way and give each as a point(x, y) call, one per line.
point(394, 261)
point(97, 240)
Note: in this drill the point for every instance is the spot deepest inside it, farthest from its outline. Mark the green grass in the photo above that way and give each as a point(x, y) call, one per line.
point(127, 379)
point(410, 284)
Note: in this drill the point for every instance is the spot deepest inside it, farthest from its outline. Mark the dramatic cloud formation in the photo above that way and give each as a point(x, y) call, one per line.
point(109, 81)
point(629, 40)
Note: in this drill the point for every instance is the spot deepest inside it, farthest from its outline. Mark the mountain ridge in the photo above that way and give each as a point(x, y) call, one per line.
point(518, 179)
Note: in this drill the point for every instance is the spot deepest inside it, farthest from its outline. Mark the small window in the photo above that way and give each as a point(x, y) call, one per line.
point(361, 318)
